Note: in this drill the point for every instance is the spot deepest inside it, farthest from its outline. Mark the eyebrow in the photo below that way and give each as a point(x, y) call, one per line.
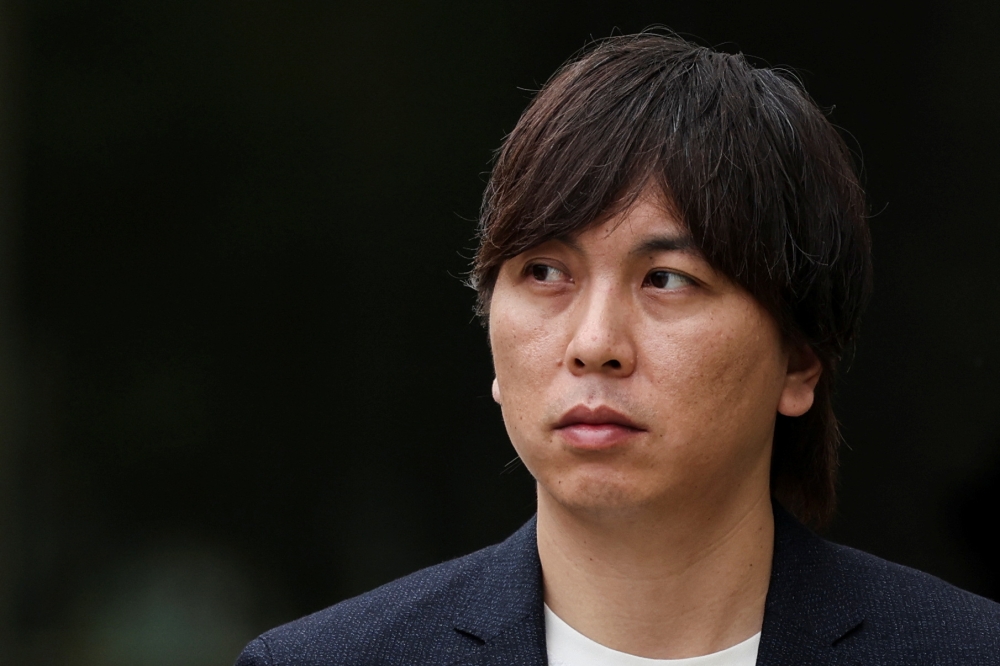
point(671, 243)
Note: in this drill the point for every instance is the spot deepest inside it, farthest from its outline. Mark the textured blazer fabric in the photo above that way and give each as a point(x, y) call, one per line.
point(827, 604)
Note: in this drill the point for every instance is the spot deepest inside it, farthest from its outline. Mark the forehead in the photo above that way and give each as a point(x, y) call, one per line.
point(645, 227)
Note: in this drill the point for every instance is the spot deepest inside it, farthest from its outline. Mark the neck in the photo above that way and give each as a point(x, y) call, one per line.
point(659, 584)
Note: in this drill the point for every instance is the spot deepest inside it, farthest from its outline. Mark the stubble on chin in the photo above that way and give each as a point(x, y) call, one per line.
point(595, 491)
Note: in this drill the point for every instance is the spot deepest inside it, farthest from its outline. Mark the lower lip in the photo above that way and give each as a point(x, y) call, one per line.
point(598, 436)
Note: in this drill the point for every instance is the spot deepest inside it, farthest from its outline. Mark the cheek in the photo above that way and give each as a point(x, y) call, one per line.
point(526, 352)
point(717, 372)
point(521, 354)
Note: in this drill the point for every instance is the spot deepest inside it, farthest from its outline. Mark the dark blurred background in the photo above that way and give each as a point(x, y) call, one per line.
point(240, 378)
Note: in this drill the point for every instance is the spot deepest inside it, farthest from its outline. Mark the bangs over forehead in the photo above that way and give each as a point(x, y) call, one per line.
point(744, 159)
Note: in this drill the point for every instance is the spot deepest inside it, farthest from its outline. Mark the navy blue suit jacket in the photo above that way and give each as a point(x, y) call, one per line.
point(826, 604)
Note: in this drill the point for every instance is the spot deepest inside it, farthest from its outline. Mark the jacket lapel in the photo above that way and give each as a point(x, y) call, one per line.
point(503, 610)
point(812, 602)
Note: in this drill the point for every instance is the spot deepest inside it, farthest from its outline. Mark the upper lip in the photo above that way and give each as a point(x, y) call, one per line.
point(603, 415)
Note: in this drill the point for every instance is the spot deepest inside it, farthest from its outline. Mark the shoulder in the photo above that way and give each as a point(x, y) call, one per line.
point(899, 599)
point(875, 610)
point(486, 602)
point(402, 621)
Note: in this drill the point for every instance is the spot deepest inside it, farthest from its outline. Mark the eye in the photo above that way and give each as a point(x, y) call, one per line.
point(668, 280)
point(544, 273)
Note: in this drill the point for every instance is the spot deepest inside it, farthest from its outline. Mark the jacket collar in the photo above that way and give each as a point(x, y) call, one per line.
point(812, 601)
point(812, 598)
point(504, 610)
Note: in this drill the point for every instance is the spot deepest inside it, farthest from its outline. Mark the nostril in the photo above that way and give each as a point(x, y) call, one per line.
point(615, 364)
point(578, 363)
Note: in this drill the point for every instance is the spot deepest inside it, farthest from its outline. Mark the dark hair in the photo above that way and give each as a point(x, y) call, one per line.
point(746, 160)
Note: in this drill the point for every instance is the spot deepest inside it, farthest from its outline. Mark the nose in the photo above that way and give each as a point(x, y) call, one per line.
point(601, 339)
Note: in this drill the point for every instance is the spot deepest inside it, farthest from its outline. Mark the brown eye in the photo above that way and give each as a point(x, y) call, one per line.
point(544, 273)
point(667, 280)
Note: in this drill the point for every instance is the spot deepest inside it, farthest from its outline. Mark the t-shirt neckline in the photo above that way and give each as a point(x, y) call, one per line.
point(568, 647)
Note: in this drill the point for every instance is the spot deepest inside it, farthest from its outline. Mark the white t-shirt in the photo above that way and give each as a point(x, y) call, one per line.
point(568, 647)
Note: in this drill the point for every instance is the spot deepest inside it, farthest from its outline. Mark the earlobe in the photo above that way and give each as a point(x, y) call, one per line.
point(496, 391)
point(804, 370)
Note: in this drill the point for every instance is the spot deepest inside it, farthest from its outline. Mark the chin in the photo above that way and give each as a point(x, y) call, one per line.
point(599, 493)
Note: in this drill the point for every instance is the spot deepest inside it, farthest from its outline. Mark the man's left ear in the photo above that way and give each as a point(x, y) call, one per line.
point(804, 370)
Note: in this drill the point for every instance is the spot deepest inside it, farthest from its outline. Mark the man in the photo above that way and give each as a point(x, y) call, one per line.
point(673, 257)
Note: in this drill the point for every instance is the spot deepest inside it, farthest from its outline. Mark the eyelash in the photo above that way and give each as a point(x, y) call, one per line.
point(684, 278)
point(530, 271)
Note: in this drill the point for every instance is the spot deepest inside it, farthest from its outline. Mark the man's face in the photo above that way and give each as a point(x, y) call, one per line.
point(631, 374)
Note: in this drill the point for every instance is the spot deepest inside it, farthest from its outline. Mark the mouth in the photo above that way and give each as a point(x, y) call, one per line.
point(596, 429)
